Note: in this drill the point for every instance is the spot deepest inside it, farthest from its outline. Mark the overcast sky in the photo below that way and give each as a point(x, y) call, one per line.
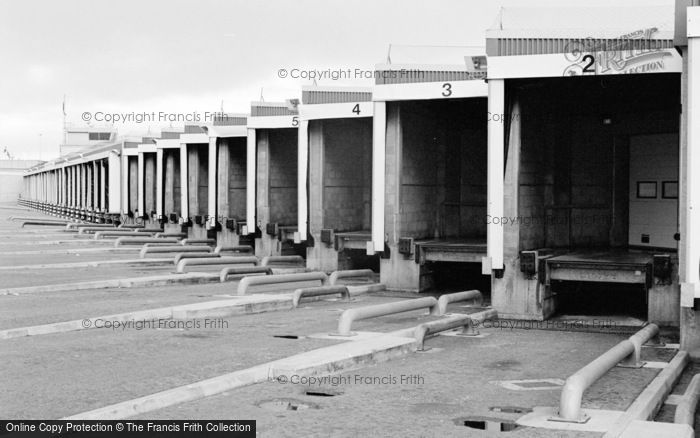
point(184, 56)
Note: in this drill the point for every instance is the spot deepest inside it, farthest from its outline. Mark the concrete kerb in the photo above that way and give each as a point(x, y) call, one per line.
point(182, 264)
point(354, 273)
point(158, 280)
point(91, 264)
point(685, 410)
point(246, 282)
point(343, 356)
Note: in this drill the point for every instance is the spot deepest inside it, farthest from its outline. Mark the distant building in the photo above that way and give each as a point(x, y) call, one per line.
point(11, 182)
point(80, 137)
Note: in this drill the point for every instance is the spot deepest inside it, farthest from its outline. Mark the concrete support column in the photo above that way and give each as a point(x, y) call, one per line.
point(96, 185)
point(150, 195)
point(169, 184)
point(264, 244)
point(211, 187)
point(378, 177)
point(115, 188)
point(103, 186)
point(159, 184)
point(140, 185)
point(124, 183)
point(193, 180)
point(223, 179)
point(302, 182)
point(494, 209)
point(250, 180)
point(134, 187)
point(184, 198)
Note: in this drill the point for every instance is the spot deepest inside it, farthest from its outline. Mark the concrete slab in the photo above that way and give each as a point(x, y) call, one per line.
point(601, 420)
point(651, 429)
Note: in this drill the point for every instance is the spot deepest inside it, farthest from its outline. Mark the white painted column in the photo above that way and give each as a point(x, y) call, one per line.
point(95, 184)
point(103, 187)
point(141, 181)
point(184, 200)
point(250, 187)
point(124, 183)
point(159, 183)
point(211, 187)
point(494, 209)
point(115, 185)
point(690, 241)
point(302, 180)
point(378, 177)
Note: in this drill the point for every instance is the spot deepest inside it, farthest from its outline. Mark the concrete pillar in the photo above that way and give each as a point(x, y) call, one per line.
point(494, 209)
point(193, 180)
point(223, 178)
point(378, 177)
point(96, 184)
point(169, 184)
point(262, 186)
point(184, 198)
point(114, 188)
point(302, 180)
point(134, 187)
point(124, 183)
point(140, 183)
point(251, 157)
point(159, 183)
point(689, 202)
point(149, 170)
point(103, 186)
point(211, 187)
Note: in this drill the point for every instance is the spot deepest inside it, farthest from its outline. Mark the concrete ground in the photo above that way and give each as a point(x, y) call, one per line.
point(498, 376)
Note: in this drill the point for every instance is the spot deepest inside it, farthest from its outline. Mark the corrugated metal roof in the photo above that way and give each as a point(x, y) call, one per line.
point(262, 109)
point(537, 31)
point(426, 74)
point(313, 97)
point(230, 120)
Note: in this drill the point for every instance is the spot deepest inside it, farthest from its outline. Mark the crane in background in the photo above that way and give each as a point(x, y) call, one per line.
point(6, 152)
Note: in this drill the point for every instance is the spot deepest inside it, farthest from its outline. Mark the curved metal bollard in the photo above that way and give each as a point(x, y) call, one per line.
point(283, 259)
point(194, 255)
point(423, 331)
point(333, 279)
point(571, 394)
point(90, 229)
point(210, 242)
point(685, 410)
point(351, 315)
point(131, 226)
point(242, 270)
point(470, 295)
point(145, 241)
point(175, 235)
point(42, 223)
point(233, 248)
point(174, 249)
point(319, 292)
point(246, 282)
point(182, 264)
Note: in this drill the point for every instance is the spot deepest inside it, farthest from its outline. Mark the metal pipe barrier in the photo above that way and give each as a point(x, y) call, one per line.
point(243, 270)
point(319, 292)
point(144, 240)
point(105, 234)
point(626, 353)
point(77, 226)
point(133, 226)
point(86, 229)
point(210, 242)
point(235, 248)
point(351, 315)
point(246, 282)
point(42, 223)
point(335, 276)
point(24, 218)
point(287, 260)
point(148, 230)
point(685, 410)
point(466, 322)
point(172, 234)
point(194, 255)
point(174, 249)
point(182, 264)
point(470, 295)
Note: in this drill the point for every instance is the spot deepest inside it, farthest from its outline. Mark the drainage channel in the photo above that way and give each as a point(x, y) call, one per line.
point(487, 424)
